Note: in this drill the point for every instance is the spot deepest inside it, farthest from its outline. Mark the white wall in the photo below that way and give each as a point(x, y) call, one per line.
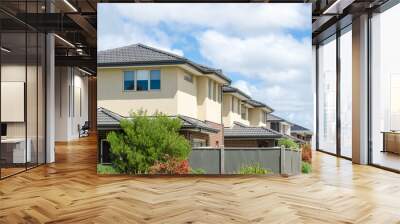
point(69, 84)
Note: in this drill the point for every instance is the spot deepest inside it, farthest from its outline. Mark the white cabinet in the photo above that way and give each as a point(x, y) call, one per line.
point(19, 155)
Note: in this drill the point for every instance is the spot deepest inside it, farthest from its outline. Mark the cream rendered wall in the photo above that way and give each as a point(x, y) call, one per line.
point(186, 95)
point(285, 128)
point(213, 112)
point(227, 110)
point(110, 93)
point(229, 116)
point(255, 117)
point(208, 109)
point(202, 95)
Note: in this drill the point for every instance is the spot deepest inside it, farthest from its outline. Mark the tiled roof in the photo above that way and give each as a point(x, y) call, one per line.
point(241, 131)
point(139, 54)
point(107, 119)
point(272, 117)
point(256, 103)
point(296, 127)
point(231, 89)
point(189, 122)
point(294, 138)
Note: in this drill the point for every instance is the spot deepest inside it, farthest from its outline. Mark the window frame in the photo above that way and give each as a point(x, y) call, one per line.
point(209, 89)
point(136, 80)
point(238, 106)
point(243, 111)
point(123, 81)
point(150, 89)
point(233, 104)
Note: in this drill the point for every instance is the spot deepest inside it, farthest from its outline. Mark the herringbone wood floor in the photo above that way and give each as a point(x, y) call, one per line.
point(69, 191)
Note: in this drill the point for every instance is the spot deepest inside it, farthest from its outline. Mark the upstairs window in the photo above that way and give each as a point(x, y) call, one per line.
point(142, 80)
point(219, 94)
point(209, 89)
point(155, 79)
point(233, 104)
point(238, 106)
point(244, 112)
point(215, 86)
point(188, 78)
point(275, 126)
point(129, 80)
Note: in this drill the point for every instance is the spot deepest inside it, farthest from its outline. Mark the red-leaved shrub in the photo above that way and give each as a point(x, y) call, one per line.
point(171, 166)
point(306, 153)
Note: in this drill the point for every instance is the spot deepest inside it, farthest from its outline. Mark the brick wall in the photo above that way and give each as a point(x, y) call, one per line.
point(250, 143)
point(216, 139)
point(189, 135)
point(241, 143)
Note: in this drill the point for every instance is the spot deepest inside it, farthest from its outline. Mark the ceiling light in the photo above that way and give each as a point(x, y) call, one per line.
point(84, 71)
point(64, 40)
point(5, 50)
point(70, 5)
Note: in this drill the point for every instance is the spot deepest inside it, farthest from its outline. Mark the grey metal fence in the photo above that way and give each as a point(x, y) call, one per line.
point(230, 160)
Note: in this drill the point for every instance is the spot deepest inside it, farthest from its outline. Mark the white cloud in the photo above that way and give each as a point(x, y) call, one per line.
point(243, 86)
point(114, 32)
point(238, 18)
point(291, 101)
point(274, 57)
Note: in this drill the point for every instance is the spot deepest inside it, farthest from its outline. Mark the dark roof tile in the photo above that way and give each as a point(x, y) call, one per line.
point(242, 131)
point(139, 54)
point(108, 119)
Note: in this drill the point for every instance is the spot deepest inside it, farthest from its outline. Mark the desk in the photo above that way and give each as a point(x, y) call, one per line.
point(13, 150)
point(391, 141)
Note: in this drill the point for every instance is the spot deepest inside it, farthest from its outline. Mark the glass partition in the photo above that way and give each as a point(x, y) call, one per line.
point(385, 89)
point(327, 95)
point(346, 93)
point(13, 86)
point(22, 78)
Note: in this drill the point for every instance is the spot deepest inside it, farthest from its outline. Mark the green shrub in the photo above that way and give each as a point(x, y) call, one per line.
point(106, 169)
point(197, 171)
point(306, 167)
point(146, 140)
point(253, 169)
point(288, 143)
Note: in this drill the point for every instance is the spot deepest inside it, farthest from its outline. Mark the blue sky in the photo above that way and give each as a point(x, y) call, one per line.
point(264, 48)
